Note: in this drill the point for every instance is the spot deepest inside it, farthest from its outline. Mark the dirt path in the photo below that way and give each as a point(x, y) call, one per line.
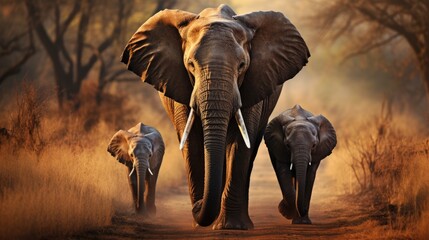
point(331, 219)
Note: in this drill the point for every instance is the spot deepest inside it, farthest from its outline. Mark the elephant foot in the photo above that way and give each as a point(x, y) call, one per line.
point(249, 222)
point(286, 210)
point(301, 220)
point(141, 213)
point(151, 211)
point(195, 225)
point(232, 222)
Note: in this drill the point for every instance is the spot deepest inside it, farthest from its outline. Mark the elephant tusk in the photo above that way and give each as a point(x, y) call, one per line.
point(242, 127)
point(131, 172)
point(309, 163)
point(148, 167)
point(187, 128)
point(291, 166)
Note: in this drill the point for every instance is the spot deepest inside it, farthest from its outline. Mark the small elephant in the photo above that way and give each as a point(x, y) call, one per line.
point(297, 141)
point(141, 149)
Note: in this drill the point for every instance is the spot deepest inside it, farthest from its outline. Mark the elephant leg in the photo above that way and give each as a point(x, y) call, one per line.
point(234, 212)
point(234, 206)
point(311, 176)
point(194, 155)
point(262, 112)
point(132, 180)
point(150, 182)
point(287, 206)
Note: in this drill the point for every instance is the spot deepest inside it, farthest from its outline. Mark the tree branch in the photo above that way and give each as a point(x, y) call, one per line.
point(8, 43)
point(369, 47)
point(108, 40)
point(80, 41)
point(15, 68)
point(36, 23)
point(70, 17)
point(391, 24)
point(57, 17)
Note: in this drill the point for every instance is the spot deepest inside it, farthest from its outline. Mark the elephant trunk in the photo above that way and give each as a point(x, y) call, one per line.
point(301, 158)
point(215, 107)
point(141, 168)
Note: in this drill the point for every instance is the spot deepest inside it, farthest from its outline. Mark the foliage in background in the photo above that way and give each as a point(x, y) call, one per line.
point(390, 168)
point(367, 25)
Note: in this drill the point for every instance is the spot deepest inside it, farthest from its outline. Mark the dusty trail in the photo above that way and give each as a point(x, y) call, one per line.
point(331, 219)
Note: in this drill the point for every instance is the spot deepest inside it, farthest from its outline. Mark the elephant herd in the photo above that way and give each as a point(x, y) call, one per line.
point(220, 75)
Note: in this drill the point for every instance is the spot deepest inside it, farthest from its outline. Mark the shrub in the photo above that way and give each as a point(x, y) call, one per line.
point(391, 168)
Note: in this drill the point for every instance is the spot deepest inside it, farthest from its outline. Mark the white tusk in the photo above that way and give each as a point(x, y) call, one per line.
point(291, 166)
point(309, 163)
point(242, 127)
point(148, 167)
point(131, 172)
point(187, 129)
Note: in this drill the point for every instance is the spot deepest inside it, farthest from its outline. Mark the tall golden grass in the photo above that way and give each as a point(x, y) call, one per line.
point(54, 180)
point(56, 177)
point(390, 168)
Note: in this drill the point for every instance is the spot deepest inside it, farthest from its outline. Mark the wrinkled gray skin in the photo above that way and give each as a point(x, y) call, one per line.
point(297, 137)
point(140, 148)
point(216, 63)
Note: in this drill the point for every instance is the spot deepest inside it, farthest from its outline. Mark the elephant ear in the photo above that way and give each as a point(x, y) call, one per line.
point(278, 53)
point(155, 54)
point(327, 137)
point(274, 139)
point(139, 129)
point(118, 147)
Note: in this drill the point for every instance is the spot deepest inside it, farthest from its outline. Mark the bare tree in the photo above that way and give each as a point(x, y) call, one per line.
point(376, 24)
point(109, 70)
point(73, 57)
point(16, 44)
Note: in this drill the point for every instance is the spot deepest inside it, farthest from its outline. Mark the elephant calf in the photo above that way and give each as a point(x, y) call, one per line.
point(141, 149)
point(297, 141)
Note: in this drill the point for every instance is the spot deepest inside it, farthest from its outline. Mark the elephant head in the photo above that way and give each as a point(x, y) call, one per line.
point(134, 150)
point(297, 142)
point(215, 62)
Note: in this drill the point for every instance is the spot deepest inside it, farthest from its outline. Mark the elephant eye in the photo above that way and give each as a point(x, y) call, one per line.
point(241, 66)
point(191, 66)
point(287, 145)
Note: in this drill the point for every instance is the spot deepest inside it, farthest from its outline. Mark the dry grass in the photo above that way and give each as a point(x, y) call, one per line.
point(56, 177)
point(390, 169)
point(58, 195)
point(26, 120)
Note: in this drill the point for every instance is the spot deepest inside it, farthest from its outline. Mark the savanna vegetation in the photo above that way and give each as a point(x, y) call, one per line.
point(63, 94)
point(389, 167)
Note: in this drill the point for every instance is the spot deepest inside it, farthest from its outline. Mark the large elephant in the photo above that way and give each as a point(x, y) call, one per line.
point(141, 149)
point(297, 141)
point(218, 68)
